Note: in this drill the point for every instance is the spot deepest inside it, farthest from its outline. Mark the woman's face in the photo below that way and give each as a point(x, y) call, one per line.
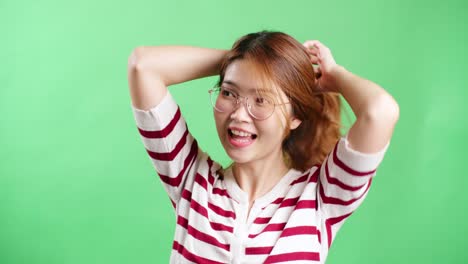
point(244, 138)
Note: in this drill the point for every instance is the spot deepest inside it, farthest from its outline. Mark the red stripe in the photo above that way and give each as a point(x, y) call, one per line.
point(201, 181)
point(194, 205)
point(299, 230)
point(299, 180)
point(221, 227)
point(270, 228)
point(289, 202)
point(339, 183)
point(220, 211)
point(200, 235)
point(165, 131)
point(285, 202)
point(210, 174)
point(199, 208)
point(330, 222)
point(306, 204)
point(278, 200)
point(222, 192)
point(346, 168)
point(315, 176)
point(190, 256)
point(262, 220)
point(167, 156)
point(176, 180)
point(187, 195)
point(334, 200)
point(258, 250)
point(293, 256)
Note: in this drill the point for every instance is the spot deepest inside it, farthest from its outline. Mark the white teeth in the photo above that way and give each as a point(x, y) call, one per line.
point(240, 133)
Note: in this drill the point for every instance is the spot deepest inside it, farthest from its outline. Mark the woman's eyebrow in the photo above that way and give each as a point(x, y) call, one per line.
point(230, 82)
point(249, 89)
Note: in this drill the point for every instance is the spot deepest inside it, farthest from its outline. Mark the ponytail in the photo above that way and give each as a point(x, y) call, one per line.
point(315, 137)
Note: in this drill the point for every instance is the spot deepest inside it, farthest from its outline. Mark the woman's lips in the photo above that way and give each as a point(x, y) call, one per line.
point(240, 138)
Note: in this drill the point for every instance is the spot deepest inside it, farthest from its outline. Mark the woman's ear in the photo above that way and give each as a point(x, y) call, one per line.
point(294, 123)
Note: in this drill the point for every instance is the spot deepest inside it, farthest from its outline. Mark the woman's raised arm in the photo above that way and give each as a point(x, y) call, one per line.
point(376, 111)
point(152, 69)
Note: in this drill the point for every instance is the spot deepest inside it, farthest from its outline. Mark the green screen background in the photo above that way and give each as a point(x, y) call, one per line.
point(76, 185)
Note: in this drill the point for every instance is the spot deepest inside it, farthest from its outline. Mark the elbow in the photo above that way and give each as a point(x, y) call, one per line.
point(384, 109)
point(134, 60)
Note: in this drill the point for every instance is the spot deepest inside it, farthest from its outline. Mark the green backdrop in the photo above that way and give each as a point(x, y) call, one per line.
point(76, 185)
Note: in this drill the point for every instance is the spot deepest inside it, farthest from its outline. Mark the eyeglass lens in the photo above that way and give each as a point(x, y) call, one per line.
point(225, 100)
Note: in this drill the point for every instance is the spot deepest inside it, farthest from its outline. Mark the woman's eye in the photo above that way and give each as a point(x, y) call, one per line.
point(227, 93)
point(262, 101)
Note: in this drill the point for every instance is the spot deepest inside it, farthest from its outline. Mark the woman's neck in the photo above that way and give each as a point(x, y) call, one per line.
point(258, 177)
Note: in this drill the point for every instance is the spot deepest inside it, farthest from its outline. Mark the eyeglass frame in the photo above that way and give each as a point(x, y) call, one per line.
point(247, 105)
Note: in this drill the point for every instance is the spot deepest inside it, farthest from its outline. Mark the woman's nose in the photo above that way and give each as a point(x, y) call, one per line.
point(240, 111)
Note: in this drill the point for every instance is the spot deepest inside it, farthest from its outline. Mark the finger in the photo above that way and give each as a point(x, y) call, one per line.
point(315, 47)
point(325, 56)
point(322, 48)
point(316, 69)
point(317, 86)
point(314, 59)
point(318, 73)
point(315, 44)
point(313, 51)
point(310, 43)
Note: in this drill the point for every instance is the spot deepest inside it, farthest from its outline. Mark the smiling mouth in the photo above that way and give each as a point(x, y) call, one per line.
point(241, 135)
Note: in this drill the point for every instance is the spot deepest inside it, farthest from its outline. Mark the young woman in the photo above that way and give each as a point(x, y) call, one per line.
point(294, 179)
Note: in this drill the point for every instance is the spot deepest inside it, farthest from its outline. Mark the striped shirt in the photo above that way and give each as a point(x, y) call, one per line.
point(295, 221)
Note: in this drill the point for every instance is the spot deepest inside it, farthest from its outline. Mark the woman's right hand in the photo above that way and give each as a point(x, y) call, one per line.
point(326, 67)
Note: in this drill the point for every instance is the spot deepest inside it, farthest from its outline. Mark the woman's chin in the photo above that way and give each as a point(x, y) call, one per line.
point(238, 157)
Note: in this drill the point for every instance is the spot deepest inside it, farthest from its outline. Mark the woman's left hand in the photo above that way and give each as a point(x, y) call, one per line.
point(326, 67)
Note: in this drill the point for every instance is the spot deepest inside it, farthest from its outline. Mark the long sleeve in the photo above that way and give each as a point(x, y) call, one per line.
point(169, 144)
point(344, 181)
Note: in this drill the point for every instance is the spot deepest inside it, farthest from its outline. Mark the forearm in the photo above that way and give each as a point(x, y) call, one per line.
point(376, 111)
point(177, 64)
point(365, 98)
point(152, 69)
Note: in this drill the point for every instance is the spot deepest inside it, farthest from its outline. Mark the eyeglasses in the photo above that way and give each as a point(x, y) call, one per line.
point(260, 107)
